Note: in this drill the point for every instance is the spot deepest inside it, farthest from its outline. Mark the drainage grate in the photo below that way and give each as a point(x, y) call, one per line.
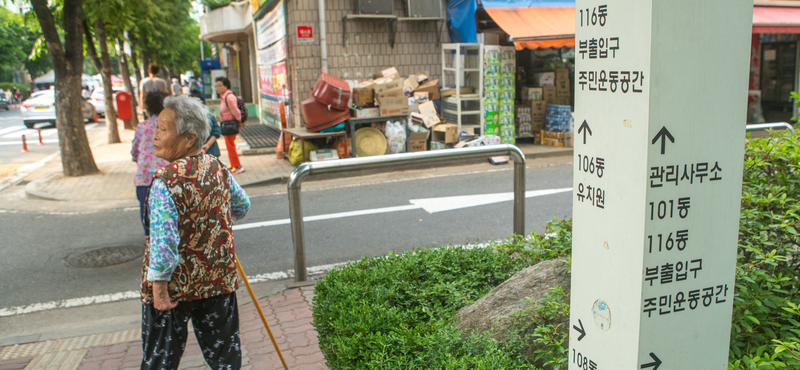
point(260, 136)
point(103, 257)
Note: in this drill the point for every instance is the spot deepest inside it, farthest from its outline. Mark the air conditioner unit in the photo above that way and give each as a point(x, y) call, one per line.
point(424, 8)
point(376, 7)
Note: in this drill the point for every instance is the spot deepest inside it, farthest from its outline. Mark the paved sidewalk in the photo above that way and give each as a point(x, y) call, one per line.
point(288, 314)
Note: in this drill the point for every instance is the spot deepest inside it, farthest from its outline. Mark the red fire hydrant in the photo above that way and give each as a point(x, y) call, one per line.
point(124, 111)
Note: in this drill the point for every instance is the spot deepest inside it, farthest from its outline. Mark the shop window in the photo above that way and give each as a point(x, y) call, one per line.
point(778, 70)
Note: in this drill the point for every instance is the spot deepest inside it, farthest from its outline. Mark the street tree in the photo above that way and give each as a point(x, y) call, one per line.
point(103, 64)
point(67, 57)
point(126, 75)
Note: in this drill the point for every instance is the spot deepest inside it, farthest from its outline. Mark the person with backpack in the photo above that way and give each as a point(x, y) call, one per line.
point(232, 114)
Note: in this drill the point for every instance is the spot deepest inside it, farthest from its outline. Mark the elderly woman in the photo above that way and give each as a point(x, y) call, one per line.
point(189, 268)
point(142, 151)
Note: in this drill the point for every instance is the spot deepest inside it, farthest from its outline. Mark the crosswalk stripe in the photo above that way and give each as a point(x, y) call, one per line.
point(11, 129)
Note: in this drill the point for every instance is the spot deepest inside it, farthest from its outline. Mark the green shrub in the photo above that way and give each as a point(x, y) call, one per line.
point(395, 311)
point(10, 86)
point(538, 333)
point(766, 323)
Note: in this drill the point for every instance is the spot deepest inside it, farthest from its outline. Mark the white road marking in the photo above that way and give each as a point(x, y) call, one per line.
point(11, 129)
point(430, 205)
point(434, 205)
point(116, 297)
point(27, 132)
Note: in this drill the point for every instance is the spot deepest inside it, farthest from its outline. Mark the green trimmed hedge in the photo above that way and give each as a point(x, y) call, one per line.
point(395, 311)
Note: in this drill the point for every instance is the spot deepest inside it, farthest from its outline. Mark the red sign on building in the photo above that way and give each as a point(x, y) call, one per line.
point(305, 33)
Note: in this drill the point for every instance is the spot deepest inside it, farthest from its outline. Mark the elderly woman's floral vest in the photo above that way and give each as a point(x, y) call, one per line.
point(200, 188)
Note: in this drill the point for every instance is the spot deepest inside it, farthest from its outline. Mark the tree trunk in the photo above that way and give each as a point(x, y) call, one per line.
point(135, 62)
point(67, 59)
point(145, 55)
point(126, 77)
point(108, 92)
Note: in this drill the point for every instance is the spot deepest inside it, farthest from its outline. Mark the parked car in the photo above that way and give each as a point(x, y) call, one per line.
point(3, 102)
point(41, 107)
point(98, 100)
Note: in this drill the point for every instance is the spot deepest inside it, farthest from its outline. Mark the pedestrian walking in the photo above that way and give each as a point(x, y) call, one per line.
point(151, 83)
point(189, 268)
point(18, 96)
point(142, 152)
point(176, 87)
point(211, 147)
point(229, 111)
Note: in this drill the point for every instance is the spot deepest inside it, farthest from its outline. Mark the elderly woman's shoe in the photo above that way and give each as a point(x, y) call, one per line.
point(236, 170)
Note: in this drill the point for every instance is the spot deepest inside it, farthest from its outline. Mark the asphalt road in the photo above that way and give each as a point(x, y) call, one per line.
point(35, 245)
point(11, 131)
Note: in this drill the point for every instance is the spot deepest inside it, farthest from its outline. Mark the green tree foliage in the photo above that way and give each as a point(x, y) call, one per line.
point(20, 46)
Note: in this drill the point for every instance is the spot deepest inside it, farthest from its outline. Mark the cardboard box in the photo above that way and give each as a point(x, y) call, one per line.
point(393, 103)
point(421, 97)
point(386, 84)
point(395, 111)
point(562, 91)
point(390, 72)
point(445, 133)
point(410, 84)
point(562, 74)
point(366, 84)
point(562, 100)
point(363, 96)
point(429, 116)
point(417, 141)
point(532, 93)
point(546, 79)
point(430, 87)
point(549, 93)
point(538, 109)
point(556, 138)
point(365, 113)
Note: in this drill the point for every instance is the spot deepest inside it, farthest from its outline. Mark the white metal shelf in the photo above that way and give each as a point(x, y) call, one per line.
point(466, 59)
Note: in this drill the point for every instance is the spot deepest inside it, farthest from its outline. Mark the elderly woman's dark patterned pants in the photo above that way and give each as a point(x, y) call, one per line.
point(216, 326)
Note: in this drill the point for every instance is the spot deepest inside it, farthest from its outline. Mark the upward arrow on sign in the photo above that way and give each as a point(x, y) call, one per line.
point(584, 128)
point(663, 134)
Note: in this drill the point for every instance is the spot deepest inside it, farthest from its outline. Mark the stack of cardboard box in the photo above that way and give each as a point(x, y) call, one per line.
point(562, 86)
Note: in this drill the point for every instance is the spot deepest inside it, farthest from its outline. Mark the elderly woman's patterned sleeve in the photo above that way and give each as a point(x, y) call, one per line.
point(240, 202)
point(164, 236)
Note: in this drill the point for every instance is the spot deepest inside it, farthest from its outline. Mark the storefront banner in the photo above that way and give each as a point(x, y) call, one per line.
point(273, 54)
point(273, 92)
point(272, 27)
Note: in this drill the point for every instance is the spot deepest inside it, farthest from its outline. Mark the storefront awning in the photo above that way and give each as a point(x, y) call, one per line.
point(537, 27)
point(774, 19)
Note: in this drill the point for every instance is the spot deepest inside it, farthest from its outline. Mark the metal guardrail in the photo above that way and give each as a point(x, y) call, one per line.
point(316, 168)
point(767, 126)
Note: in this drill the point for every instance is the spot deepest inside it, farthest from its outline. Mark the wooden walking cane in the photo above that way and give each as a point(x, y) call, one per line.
point(260, 313)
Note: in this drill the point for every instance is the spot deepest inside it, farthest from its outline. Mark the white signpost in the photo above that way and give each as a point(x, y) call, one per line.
point(660, 97)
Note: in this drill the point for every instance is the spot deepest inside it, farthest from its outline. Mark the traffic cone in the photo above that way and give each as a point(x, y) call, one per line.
point(24, 145)
point(40, 136)
point(95, 115)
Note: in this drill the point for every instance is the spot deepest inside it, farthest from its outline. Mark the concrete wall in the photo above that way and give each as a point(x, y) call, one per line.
point(366, 51)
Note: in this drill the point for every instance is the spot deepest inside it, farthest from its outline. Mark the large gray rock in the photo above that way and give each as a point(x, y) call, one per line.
point(493, 313)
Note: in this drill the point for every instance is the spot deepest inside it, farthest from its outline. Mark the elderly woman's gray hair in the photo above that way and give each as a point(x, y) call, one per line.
point(190, 117)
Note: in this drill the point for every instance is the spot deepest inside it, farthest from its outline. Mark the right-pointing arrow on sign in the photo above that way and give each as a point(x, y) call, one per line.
point(663, 134)
point(580, 330)
point(655, 364)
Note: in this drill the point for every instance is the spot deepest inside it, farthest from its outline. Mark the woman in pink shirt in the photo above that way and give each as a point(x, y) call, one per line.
point(229, 111)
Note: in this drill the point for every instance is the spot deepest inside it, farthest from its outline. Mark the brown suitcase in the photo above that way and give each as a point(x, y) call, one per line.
point(317, 116)
point(331, 91)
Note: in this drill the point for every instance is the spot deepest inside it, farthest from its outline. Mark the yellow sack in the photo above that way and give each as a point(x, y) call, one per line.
point(296, 151)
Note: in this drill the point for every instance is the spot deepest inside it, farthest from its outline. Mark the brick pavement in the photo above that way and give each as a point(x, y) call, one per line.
point(288, 314)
